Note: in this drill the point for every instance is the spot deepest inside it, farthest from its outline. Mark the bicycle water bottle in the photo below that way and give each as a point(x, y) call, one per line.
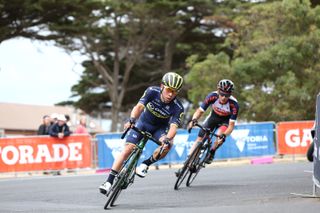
point(201, 153)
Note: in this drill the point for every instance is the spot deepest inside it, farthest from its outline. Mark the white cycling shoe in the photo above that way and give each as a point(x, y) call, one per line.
point(105, 187)
point(142, 170)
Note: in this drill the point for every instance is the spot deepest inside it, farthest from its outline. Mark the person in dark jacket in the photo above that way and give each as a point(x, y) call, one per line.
point(60, 129)
point(44, 127)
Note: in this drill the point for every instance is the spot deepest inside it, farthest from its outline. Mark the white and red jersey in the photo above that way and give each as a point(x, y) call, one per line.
point(229, 110)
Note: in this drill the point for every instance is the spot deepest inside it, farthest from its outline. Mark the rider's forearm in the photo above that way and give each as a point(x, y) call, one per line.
point(229, 129)
point(197, 114)
point(172, 131)
point(137, 110)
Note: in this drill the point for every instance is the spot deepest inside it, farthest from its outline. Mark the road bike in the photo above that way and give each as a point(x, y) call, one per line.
point(126, 175)
point(196, 160)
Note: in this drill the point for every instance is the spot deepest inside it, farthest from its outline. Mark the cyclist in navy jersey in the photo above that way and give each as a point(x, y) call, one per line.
point(158, 112)
point(223, 115)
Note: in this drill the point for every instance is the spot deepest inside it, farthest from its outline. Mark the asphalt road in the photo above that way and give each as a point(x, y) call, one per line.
point(241, 188)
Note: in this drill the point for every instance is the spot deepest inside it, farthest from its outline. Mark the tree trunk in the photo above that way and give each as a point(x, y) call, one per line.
point(114, 118)
point(169, 50)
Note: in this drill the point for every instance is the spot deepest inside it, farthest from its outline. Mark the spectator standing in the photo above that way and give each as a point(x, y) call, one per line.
point(44, 127)
point(60, 129)
point(44, 130)
point(54, 117)
point(82, 127)
point(68, 121)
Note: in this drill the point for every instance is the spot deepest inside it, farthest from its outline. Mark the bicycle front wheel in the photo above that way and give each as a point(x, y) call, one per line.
point(185, 170)
point(123, 180)
point(198, 163)
point(116, 188)
point(117, 193)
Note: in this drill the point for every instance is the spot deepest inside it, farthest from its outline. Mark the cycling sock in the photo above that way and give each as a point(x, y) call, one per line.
point(212, 152)
point(149, 161)
point(111, 176)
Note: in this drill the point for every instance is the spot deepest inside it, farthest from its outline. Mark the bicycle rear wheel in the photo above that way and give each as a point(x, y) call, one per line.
point(185, 170)
point(197, 165)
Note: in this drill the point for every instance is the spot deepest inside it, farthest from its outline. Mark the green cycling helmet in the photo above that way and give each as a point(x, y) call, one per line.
point(172, 80)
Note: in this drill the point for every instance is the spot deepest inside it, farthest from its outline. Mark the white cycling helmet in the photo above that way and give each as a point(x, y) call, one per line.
point(225, 86)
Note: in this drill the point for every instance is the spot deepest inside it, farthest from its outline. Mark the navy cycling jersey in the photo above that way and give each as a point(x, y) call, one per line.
point(157, 112)
point(228, 110)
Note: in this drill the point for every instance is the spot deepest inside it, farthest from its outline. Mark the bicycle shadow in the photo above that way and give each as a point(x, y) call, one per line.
point(169, 200)
point(207, 188)
point(143, 206)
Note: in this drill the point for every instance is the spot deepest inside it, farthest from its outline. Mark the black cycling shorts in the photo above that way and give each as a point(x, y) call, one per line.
point(214, 122)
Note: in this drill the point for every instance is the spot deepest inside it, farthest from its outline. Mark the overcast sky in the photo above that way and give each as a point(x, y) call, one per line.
point(33, 72)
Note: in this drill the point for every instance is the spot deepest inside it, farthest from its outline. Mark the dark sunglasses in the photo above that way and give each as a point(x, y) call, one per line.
point(171, 90)
point(224, 94)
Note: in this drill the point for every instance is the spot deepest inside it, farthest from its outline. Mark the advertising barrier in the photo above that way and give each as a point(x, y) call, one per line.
point(294, 137)
point(44, 153)
point(316, 159)
point(246, 140)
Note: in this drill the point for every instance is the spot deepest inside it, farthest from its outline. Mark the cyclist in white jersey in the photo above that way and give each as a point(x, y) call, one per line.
point(224, 112)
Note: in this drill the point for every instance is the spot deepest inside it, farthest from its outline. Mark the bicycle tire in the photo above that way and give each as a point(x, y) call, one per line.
point(119, 189)
point(198, 165)
point(130, 178)
point(185, 169)
point(183, 173)
point(115, 189)
point(124, 174)
point(115, 197)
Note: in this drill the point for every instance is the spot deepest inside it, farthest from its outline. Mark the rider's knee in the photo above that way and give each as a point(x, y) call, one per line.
point(217, 143)
point(128, 148)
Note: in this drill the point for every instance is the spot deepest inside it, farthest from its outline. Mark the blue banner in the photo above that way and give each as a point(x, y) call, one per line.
point(111, 145)
point(246, 140)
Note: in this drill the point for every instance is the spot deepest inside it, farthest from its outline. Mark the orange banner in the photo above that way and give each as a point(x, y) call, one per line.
point(44, 153)
point(294, 137)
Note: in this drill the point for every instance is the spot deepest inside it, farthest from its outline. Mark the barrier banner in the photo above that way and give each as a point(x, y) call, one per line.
point(44, 153)
point(246, 140)
point(110, 145)
point(316, 159)
point(294, 137)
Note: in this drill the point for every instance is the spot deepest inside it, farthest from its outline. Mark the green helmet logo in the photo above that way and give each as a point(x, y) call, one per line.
point(172, 80)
